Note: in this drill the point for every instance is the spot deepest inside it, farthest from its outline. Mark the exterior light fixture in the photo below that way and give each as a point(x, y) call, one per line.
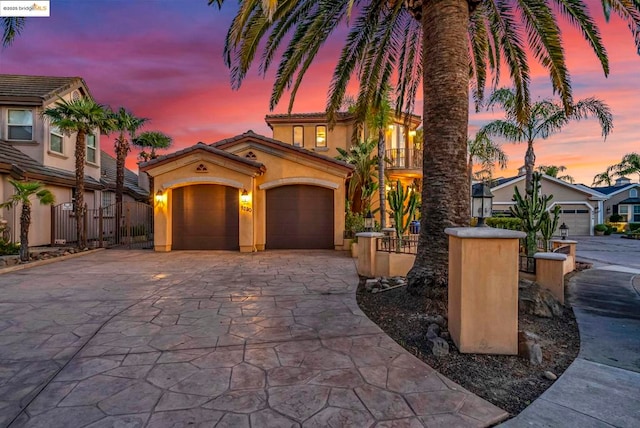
point(412, 133)
point(368, 222)
point(159, 196)
point(481, 203)
point(244, 197)
point(564, 231)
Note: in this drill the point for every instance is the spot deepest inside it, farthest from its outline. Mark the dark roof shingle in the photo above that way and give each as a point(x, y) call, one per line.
point(108, 169)
point(14, 86)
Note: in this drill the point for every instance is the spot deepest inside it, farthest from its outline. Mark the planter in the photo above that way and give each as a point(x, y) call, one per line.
point(599, 233)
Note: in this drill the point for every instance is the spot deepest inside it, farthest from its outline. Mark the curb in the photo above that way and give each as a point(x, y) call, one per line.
point(46, 262)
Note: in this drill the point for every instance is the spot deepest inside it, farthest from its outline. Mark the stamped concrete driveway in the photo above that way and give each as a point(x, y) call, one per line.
point(209, 339)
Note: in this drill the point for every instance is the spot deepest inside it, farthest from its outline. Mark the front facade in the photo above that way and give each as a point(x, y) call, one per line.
point(248, 193)
point(31, 149)
point(623, 199)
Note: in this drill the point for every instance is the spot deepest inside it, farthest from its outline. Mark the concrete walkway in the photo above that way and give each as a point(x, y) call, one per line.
point(602, 386)
point(274, 339)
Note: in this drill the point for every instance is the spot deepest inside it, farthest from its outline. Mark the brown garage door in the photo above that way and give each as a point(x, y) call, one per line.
point(205, 217)
point(299, 217)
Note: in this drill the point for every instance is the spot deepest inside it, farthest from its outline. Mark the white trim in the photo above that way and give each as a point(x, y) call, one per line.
point(545, 177)
point(623, 188)
point(298, 180)
point(591, 208)
point(181, 182)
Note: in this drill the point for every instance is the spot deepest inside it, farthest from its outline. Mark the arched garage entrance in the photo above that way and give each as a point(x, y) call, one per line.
point(205, 217)
point(300, 217)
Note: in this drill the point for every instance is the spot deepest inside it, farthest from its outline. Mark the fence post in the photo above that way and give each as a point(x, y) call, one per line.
point(53, 226)
point(100, 226)
point(85, 223)
point(128, 226)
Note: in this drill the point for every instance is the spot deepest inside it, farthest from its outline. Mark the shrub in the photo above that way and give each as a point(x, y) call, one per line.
point(8, 248)
point(615, 218)
point(510, 223)
point(634, 226)
point(600, 227)
point(611, 228)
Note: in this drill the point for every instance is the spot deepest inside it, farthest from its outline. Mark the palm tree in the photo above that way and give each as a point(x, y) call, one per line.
point(630, 164)
point(485, 151)
point(603, 178)
point(554, 170)
point(392, 40)
point(24, 190)
point(82, 117)
point(152, 140)
point(124, 122)
point(361, 182)
point(545, 118)
point(11, 27)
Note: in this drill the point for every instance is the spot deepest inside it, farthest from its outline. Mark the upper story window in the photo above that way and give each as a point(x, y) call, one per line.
point(55, 140)
point(633, 193)
point(321, 136)
point(298, 136)
point(20, 125)
point(91, 148)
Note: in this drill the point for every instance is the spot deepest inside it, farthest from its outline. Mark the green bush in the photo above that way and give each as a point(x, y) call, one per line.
point(610, 229)
point(634, 226)
point(510, 223)
point(353, 223)
point(615, 218)
point(600, 227)
point(8, 248)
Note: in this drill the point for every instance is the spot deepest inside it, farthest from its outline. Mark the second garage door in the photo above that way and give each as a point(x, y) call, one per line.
point(205, 217)
point(577, 218)
point(300, 217)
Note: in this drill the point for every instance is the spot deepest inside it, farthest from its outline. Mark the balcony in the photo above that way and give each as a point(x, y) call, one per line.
point(404, 159)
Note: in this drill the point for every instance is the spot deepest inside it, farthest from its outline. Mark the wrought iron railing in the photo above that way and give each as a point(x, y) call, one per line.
point(527, 264)
point(404, 158)
point(393, 244)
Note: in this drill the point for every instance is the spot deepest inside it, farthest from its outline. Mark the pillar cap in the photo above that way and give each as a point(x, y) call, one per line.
point(550, 256)
point(370, 235)
point(564, 241)
point(484, 233)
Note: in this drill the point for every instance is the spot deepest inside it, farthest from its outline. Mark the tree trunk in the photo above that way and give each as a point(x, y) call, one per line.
point(529, 164)
point(381, 190)
point(122, 149)
point(445, 190)
point(25, 223)
point(81, 153)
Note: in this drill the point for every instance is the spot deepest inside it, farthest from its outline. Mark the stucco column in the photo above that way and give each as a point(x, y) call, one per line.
point(247, 213)
point(162, 222)
point(483, 289)
point(367, 253)
point(550, 273)
point(338, 216)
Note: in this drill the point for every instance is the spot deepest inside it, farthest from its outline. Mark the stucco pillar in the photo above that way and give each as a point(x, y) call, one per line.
point(338, 222)
point(162, 222)
point(247, 213)
point(367, 253)
point(550, 273)
point(483, 289)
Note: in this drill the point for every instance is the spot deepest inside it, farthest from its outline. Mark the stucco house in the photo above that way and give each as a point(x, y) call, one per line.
point(31, 149)
point(248, 193)
point(581, 207)
point(622, 198)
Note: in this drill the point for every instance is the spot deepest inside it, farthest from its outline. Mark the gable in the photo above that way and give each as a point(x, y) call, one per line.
point(561, 192)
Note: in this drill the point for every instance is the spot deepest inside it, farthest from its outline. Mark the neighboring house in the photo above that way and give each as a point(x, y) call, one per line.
point(581, 207)
point(311, 131)
point(623, 198)
point(248, 193)
point(31, 149)
point(133, 189)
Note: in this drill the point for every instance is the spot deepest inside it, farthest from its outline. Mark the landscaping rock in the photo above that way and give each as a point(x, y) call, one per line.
point(375, 290)
point(437, 319)
point(370, 283)
point(550, 375)
point(438, 347)
point(538, 301)
point(433, 331)
point(531, 351)
point(385, 285)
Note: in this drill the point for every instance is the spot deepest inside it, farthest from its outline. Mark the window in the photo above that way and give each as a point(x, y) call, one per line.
point(321, 136)
point(636, 213)
point(107, 203)
point(623, 209)
point(55, 140)
point(633, 193)
point(298, 136)
point(91, 148)
point(20, 125)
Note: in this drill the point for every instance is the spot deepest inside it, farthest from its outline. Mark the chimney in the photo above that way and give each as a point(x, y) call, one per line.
point(622, 181)
point(522, 171)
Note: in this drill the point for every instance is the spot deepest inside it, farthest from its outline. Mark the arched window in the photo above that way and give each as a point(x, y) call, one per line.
point(633, 193)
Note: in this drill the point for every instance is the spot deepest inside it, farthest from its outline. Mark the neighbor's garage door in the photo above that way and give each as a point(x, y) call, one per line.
point(205, 217)
point(299, 217)
point(577, 217)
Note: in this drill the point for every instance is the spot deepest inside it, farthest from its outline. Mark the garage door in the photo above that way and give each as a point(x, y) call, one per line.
point(205, 217)
point(299, 217)
point(577, 217)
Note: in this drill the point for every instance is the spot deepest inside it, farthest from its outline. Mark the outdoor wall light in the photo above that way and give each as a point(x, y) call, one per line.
point(564, 231)
point(368, 222)
point(159, 197)
point(244, 197)
point(481, 204)
point(412, 133)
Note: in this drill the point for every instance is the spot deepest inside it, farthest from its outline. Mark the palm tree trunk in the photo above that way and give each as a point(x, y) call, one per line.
point(25, 223)
point(122, 148)
point(529, 164)
point(381, 190)
point(81, 149)
point(445, 190)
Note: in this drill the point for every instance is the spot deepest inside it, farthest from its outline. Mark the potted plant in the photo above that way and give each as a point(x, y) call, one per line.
point(600, 229)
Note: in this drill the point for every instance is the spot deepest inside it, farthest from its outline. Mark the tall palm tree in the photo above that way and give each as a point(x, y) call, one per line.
point(23, 191)
point(393, 40)
point(545, 118)
point(11, 28)
point(603, 178)
point(554, 170)
point(485, 151)
point(152, 140)
point(630, 164)
point(126, 124)
point(361, 183)
point(81, 116)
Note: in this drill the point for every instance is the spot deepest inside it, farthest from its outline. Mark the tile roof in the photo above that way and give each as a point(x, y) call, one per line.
point(14, 161)
point(312, 115)
point(35, 87)
point(108, 177)
point(302, 151)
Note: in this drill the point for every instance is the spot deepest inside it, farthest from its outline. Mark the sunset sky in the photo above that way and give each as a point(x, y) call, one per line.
point(162, 59)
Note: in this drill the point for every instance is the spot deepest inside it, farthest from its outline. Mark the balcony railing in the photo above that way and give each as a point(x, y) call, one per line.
point(404, 158)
